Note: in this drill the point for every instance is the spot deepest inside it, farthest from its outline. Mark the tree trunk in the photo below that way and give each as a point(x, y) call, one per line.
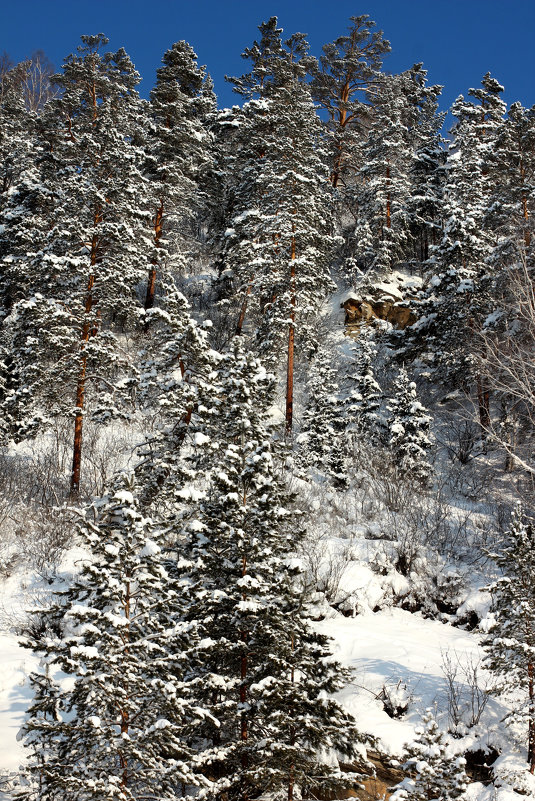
point(243, 310)
point(531, 724)
point(80, 389)
point(483, 404)
point(151, 283)
point(291, 343)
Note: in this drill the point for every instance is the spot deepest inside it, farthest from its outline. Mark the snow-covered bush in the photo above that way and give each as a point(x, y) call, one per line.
point(433, 772)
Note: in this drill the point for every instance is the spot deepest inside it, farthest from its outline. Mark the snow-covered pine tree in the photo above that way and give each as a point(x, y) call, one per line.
point(288, 227)
point(116, 726)
point(178, 150)
point(175, 389)
point(16, 135)
point(323, 442)
point(424, 204)
point(347, 69)
point(510, 212)
point(262, 671)
point(510, 642)
point(364, 398)
point(78, 241)
point(408, 431)
point(459, 280)
point(383, 179)
point(433, 773)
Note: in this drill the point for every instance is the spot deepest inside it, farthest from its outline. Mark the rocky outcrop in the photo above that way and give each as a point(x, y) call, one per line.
point(396, 312)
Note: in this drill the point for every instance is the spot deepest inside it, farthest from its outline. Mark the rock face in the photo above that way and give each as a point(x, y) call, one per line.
point(398, 313)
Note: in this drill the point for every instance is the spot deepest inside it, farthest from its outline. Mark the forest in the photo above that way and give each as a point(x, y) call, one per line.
point(267, 415)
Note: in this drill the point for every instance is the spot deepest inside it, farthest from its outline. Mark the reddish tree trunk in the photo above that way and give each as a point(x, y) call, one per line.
point(291, 343)
point(87, 331)
point(388, 199)
point(151, 283)
point(531, 735)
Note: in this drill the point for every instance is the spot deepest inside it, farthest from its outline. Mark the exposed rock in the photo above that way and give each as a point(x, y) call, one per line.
point(398, 313)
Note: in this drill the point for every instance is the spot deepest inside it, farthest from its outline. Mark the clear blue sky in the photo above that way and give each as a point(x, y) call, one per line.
point(458, 40)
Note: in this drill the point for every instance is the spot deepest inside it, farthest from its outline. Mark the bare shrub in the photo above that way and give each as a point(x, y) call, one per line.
point(461, 439)
point(325, 566)
point(467, 691)
point(396, 698)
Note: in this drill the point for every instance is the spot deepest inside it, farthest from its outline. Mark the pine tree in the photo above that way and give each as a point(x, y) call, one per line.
point(286, 223)
point(435, 775)
point(383, 179)
point(118, 727)
point(262, 671)
point(77, 277)
point(178, 151)
point(408, 427)
point(323, 442)
point(16, 133)
point(347, 70)
point(459, 281)
point(510, 208)
point(510, 643)
point(424, 204)
point(364, 399)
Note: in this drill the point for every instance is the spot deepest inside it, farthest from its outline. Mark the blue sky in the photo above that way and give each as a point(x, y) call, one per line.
point(458, 41)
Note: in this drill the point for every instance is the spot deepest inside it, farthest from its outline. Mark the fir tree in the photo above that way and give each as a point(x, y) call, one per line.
point(118, 728)
point(408, 427)
point(510, 643)
point(262, 671)
point(364, 399)
point(323, 423)
point(435, 775)
point(175, 387)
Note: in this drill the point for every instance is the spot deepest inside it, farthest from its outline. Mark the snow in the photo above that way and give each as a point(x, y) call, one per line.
point(15, 695)
point(124, 496)
point(388, 646)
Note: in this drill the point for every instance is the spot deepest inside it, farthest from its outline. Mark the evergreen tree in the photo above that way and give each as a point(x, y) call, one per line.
point(348, 68)
point(364, 399)
point(178, 151)
point(424, 204)
point(78, 264)
point(118, 727)
point(408, 427)
point(459, 282)
point(285, 229)
point(435, 775)
point(512, 169)
point(176, 390)
point(323, 424)
point(262, 671)
point(383, 186)
point(510, 643)
point(16, 134)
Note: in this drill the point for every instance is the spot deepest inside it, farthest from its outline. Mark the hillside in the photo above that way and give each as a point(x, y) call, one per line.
point(266, 432)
